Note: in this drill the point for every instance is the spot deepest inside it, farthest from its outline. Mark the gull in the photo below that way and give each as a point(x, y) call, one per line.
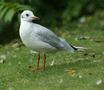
point(40, 38)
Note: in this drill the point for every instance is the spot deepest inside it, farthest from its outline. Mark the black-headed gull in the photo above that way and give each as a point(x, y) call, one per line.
point(40, 38)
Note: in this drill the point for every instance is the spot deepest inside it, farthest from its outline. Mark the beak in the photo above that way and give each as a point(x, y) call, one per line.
point(35, 18)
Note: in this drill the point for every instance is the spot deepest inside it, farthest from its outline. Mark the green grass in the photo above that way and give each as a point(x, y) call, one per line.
point(77, 71)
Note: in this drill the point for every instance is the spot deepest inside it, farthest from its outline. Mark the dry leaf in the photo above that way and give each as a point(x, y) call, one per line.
point(72, 72)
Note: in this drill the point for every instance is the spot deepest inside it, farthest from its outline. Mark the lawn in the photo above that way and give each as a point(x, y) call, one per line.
point(64, 71)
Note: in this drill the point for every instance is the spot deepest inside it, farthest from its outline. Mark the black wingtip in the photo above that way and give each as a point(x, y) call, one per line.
point(74, 48)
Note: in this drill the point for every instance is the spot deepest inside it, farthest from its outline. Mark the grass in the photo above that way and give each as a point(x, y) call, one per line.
point(77, 71)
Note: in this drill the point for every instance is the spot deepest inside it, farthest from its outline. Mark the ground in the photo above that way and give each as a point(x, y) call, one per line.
point(64, 71)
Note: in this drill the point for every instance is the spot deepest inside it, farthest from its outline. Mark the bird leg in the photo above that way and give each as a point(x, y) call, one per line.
point(38, 61)
point(44, 60)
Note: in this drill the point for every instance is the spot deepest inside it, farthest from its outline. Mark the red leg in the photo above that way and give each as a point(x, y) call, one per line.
point(38, 61)
point(44, 60)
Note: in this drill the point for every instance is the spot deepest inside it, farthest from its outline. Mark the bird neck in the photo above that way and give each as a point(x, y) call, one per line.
point(25, 25)
point(25, 22)
point(25, 28)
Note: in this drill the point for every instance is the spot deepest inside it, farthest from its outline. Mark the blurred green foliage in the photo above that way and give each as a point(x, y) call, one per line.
point(8, 10)
point(52, 13)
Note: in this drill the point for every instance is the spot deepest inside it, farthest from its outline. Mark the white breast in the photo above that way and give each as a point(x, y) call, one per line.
point(29, 39)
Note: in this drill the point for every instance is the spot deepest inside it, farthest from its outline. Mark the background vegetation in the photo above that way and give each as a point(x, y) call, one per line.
point(55, 13)
point(80, 22)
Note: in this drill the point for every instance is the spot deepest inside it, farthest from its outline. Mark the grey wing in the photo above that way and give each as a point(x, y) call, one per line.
point(49, 37)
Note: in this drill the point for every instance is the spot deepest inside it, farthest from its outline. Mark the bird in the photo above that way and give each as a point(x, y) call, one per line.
point(41, 39)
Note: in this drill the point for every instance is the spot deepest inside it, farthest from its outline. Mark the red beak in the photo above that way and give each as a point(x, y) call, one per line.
point(35, 18)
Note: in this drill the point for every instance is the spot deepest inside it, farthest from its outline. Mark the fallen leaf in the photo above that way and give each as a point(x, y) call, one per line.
point(80, 76)
point(3, 57)
point(61, 80)
point(72, 72)
point(98, 82)
point(52, 63)
point(2, 61)
point(82, 38)
point(15, 45)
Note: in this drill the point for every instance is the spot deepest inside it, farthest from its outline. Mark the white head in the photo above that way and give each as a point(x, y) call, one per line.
point(28, 15)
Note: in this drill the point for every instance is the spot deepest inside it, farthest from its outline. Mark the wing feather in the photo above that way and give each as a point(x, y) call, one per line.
point(47, 36)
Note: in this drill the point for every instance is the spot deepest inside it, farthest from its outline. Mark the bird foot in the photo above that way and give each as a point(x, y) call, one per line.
point(34, 69)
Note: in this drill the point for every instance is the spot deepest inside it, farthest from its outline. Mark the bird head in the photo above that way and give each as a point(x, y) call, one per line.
point(28, 15)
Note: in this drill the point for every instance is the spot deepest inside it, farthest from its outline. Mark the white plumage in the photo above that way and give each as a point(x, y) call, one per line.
point(39, 38)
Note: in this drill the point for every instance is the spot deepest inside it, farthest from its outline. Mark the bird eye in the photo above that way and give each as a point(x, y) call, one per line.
point(27, 15)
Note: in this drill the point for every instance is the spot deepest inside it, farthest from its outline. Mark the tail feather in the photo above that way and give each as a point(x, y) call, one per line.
point(71, 48)
point(80, 48)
